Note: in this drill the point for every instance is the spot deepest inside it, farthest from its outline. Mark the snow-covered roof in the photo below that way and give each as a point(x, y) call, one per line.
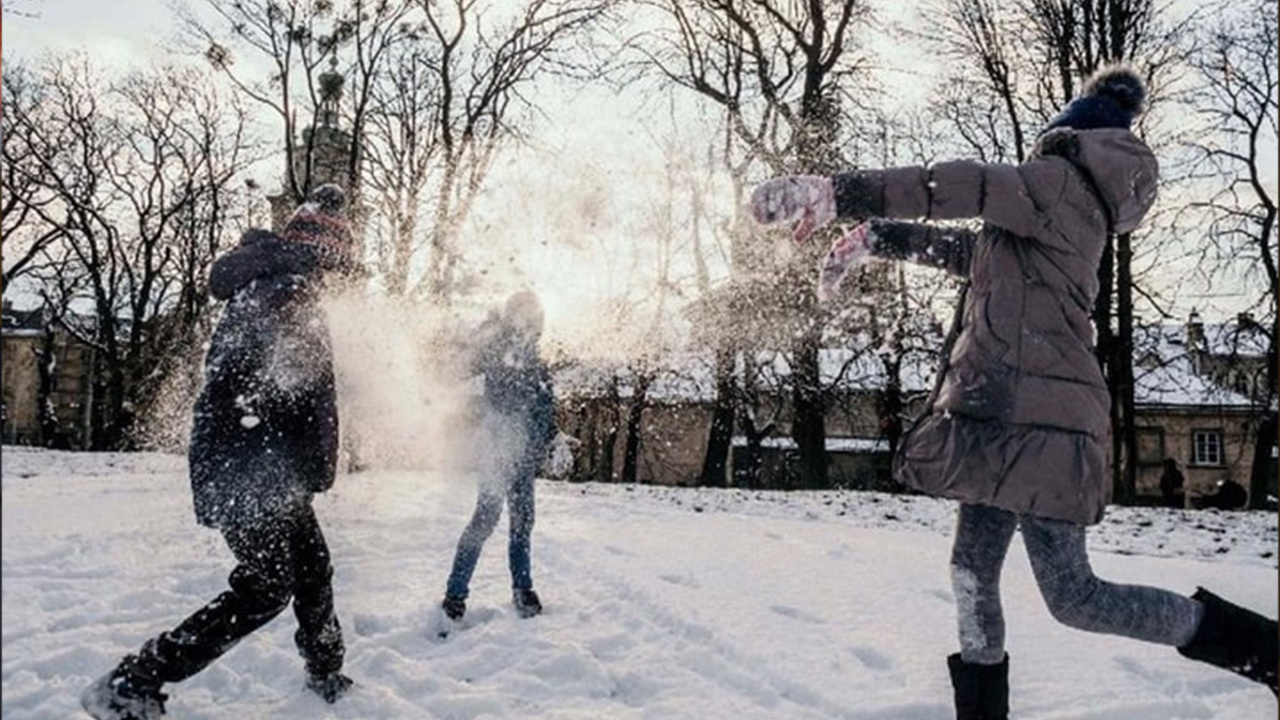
point(834, 444)
point(1177, 384)
point(1164, 365)
point(1241, 336)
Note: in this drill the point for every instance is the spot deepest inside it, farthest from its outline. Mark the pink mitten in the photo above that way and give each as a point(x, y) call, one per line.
point(851, 249)
point(809, 201)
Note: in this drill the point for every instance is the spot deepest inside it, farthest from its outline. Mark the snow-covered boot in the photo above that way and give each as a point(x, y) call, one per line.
point(120, 696)
point(1235, 639)
point(981, 691)
point(329, 686)
point(526, 602)
point(454, 607)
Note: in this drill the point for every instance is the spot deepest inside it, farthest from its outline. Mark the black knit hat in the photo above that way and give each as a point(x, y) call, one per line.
point(1111, 98)
point(321, 221)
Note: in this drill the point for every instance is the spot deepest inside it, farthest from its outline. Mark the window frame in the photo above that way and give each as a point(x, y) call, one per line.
point(1196, 459)
point(1156, 431)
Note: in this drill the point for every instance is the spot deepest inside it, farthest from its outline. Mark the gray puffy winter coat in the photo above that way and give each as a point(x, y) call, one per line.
point(1020, 417)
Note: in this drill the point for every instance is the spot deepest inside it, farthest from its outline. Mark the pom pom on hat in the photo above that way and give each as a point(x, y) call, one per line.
point(321, 221)
point(1120, 83)
point(1111, 98)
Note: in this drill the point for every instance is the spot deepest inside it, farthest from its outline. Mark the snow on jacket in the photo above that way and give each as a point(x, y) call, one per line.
point(517, 382)
point(1020, 417)
point(265, 435)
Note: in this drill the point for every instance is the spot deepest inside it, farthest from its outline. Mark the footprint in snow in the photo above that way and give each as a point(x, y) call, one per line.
point(872, 658)
point(798, 614)
point(681, 580)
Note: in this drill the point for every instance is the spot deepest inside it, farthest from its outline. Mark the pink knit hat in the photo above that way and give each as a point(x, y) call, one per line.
point(321, 221)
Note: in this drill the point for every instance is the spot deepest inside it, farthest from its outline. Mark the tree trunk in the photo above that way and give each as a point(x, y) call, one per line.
point(1260, 479)
point(1123, 371)
point(1106, 352)
point(808, 425)
point(891, 408)
point(715, 463)
point(47, 365)
point(635, 414)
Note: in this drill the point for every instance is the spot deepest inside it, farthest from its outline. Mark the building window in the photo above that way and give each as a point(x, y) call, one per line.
point(1206, 448)
point(1150, 445)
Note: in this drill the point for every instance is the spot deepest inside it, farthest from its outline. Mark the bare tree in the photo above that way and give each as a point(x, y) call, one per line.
point(1237, 99)
point(476, 75)
point(295, 38)
point(23, 236)
point(141, 170)
point(784, 75)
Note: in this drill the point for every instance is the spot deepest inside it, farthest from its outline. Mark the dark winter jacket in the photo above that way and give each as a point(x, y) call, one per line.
point(1020, 417)
point(265, 435)
point(517, 382)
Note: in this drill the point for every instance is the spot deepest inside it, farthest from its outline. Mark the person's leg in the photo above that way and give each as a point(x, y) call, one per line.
point(520, 504)
point(319, 635)
point(980, 671)
point(483, 521)
point(1202, 627)
point(260, 590)
point(1077, 598)
point(983, 534)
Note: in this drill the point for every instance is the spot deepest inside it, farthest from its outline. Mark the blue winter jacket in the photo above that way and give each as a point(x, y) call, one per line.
point(517, 382)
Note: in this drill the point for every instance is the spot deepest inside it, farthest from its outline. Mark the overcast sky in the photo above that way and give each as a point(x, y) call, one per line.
point(588, 131)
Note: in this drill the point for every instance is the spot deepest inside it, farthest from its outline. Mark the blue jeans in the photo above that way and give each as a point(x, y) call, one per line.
point(515, 485)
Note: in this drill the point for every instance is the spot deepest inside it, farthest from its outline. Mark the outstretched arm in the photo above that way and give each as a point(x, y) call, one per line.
point(948, 248)
point(999, 194)
point(996, 193)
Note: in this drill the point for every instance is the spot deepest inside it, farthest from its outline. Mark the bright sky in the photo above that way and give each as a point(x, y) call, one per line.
point(591, 133)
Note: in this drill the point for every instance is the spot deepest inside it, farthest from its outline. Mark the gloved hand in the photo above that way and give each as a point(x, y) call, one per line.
point(807, 200)
point(851, 249)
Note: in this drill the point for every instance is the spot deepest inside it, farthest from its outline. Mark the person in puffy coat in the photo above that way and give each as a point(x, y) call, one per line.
point(1017, 428)
point(264, 441)
point(518, 419)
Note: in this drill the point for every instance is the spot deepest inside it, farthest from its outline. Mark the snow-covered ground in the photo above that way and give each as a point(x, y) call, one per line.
point(661, 603)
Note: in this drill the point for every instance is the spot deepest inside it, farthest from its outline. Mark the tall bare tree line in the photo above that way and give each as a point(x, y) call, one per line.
point(119, 193)
point(437, 91)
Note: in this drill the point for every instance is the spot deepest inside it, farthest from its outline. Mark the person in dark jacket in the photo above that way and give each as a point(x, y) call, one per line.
point(519, 423)
point(263, 442)
point(1016, 429)
point(1171, 482)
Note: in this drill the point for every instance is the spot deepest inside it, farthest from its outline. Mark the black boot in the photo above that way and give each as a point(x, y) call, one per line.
point(981, 691)
point(1235, 639)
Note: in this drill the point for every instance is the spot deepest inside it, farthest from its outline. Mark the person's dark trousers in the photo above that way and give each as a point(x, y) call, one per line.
point(280, 557)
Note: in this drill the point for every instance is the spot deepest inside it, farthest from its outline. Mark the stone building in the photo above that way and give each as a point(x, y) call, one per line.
point(42, 364)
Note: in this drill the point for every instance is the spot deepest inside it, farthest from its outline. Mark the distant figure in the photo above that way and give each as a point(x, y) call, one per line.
point(1171, 484)
point(519, 423)
point(1230, 495)
point(264, 441)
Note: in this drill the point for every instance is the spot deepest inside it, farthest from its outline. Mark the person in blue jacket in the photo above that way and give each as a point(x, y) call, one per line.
point(518, 419)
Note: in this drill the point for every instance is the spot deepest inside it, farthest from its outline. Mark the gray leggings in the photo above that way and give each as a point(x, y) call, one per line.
point(1073, 594)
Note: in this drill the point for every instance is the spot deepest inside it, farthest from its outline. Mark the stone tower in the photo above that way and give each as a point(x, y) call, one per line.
point(330, 151)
